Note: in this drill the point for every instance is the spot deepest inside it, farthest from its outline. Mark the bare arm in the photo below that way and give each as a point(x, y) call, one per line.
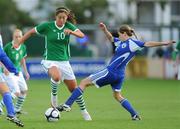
point(106, 32)
point(23, 63)
point(155, 44)
point(76, 33)
point(27, 35)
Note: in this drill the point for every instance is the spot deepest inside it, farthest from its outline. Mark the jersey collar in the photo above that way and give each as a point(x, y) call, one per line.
point(60, 28)
point(15, 48)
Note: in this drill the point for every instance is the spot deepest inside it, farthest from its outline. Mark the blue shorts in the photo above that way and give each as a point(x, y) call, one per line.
point(106, 77)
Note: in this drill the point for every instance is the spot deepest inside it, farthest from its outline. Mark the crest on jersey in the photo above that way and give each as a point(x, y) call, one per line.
point(54, 30)
point(124, 45)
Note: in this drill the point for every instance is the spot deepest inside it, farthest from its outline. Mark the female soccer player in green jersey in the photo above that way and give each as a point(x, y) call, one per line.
point(17, 84)
point(176, 58)
point(56, 57)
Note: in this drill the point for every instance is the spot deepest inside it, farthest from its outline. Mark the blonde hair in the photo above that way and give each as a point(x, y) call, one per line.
point(17, 31)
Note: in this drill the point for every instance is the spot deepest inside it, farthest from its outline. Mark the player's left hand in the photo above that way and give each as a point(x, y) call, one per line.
point(169, 42)
point(67, 31)
point(27, 76)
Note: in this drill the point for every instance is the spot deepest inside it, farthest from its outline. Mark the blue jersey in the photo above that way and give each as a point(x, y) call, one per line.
point(7, 62)
point(124, 52)
point(114, 73)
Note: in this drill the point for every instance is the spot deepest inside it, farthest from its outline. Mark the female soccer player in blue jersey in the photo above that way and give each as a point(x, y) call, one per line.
point(4, 90)
point(114, 73)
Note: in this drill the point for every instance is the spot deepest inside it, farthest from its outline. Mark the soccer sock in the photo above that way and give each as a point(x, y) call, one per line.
point(54, 89)
point(13, 96)
point(75, 94)
point(81, 103)
point(19, 103)
point(9, 104)
point(125, 103)
point(2, 102)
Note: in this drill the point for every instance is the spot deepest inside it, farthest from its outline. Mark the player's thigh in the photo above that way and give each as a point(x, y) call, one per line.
point(102, 78)
point(117, 85)
point(66, 70)
point(51, 67)
point(12, 82)
point(71, 84)
point(3, 87)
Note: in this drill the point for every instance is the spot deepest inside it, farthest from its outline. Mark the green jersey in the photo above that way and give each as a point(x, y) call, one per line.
point(178, 47)
point(56, 42)
point(15, 55)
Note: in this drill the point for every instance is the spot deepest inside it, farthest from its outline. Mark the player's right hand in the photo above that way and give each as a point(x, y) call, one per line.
point(102, 25)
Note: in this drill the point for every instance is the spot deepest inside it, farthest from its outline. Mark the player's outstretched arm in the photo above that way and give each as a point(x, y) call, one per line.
point(155, 44)
point(106, 32)
point(27, 35)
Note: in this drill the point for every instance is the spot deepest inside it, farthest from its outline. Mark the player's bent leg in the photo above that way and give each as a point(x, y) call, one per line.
point(126, 104)
point(19, 103)
point(54, 73)
point(54, 90)
point(9, 105)
point(75, 94)
point(80, 101)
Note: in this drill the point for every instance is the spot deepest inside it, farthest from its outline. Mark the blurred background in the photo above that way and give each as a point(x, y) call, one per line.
point(155, 20)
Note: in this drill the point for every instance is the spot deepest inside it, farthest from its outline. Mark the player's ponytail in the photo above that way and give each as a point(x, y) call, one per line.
point(71, 17)
point(133, 32)
point(128, 30)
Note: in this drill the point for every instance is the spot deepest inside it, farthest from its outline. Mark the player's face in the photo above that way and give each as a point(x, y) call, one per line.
point(17, 35)
point(123, 36)
point(61, 19)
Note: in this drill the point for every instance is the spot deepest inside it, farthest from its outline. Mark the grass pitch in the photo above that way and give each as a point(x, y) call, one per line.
point(157, 101)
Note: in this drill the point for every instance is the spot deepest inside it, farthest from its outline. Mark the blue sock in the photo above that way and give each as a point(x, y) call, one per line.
point(125, 103)
point(75, 94)
point(9, 104)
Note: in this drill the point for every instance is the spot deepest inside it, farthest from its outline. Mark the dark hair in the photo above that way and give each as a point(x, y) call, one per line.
point(71, 17)
point(128, 30)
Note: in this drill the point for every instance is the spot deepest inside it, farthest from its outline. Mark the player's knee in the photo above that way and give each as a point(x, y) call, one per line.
point(84, 83)
point(17, 94)
point(55, 74)
point(24, 92)
point(56, 78)
point(4, 88)
point(118, 96)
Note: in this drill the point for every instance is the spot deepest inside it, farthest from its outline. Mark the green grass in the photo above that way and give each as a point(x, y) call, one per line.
point(157, 101)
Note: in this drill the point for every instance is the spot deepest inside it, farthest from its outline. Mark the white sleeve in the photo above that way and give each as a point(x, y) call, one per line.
point(134, 46)
point(1, 42)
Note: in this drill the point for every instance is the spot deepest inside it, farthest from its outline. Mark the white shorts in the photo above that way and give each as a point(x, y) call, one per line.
point(16, 83)
point(64, 66)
